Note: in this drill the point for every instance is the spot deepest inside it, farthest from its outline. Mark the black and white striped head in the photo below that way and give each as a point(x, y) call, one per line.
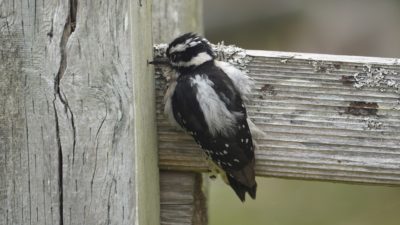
point(189, 51)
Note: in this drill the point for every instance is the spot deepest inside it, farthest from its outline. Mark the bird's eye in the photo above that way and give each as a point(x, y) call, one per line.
point(173, 56)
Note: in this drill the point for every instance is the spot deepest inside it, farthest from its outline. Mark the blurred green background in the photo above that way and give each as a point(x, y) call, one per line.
point(352, 27)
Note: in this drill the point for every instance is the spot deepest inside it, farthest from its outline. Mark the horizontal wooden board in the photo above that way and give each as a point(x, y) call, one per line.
point(326, 117)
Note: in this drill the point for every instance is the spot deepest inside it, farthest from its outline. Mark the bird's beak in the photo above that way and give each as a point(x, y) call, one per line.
point(160, 61)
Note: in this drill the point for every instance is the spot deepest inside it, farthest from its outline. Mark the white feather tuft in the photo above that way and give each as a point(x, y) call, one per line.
point(218, 118)
point(242, 82)
point(168, 104)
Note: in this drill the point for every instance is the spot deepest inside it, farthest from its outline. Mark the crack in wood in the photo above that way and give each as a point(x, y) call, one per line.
point(69, 27)
point(60, 171)
point(96, 151)
point(109, 203)
point(29, 167)
point(50, 33)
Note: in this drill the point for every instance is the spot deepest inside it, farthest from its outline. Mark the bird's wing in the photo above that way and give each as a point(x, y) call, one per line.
point(234, 153)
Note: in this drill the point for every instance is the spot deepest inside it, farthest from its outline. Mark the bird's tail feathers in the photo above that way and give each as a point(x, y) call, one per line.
point(241, 189)
point(244, 181)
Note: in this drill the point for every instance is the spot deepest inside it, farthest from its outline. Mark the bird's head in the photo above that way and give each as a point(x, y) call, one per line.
point(189, 51)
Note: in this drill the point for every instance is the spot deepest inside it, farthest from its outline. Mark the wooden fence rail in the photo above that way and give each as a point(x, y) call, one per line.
point(326, 117)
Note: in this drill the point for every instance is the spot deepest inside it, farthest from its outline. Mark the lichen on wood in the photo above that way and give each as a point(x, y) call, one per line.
point(372, 76)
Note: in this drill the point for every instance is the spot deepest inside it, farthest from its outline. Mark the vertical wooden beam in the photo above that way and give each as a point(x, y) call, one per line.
point(29, 151)
point(147, 180)
point(174, 17)
point(73, 132)
point(182, 197)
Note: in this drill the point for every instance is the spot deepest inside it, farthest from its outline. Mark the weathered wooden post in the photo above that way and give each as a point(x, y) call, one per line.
point(182, 197)
point(77, 130)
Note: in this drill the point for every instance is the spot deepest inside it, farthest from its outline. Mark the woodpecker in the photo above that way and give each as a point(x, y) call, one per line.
point(206, 99)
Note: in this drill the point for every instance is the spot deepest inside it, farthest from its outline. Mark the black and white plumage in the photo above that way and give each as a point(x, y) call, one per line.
point(206, 100)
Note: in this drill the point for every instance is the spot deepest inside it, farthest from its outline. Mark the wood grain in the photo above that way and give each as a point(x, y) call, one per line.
point(326, 117)
point(182, 199)
point(67, 114)
point(146, 157)
point(172, 18)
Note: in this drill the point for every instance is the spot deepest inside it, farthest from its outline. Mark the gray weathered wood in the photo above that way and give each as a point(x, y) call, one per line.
point(334, 118)
point(188, 204)
point(147, 179)
point(182, 197)
point(68, 130)
point(175, 17)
